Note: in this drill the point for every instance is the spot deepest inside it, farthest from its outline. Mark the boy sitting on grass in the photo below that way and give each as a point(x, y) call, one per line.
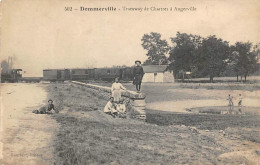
point(110, 108)
point(49, 110)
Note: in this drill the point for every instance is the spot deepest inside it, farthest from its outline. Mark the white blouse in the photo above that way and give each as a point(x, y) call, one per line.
point(117, 86)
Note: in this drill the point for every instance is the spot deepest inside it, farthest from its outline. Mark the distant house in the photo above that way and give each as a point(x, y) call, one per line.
point(157, 73)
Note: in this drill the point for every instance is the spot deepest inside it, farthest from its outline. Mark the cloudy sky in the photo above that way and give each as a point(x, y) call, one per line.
point(40, 34)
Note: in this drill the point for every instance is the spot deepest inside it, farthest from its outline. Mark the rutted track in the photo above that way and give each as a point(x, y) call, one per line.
point(26, 138)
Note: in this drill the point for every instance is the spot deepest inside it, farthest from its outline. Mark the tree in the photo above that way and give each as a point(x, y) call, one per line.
point(5, 68)
point(184, 54)
point(213, 56)
point(245, 59)
point(156, 47)
point(233, 61)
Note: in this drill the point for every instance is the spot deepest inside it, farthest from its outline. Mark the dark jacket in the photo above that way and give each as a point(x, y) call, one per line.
point(50, 107)
point(138, 70)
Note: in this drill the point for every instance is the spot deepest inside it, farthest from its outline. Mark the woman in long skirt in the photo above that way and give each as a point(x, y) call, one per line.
point(116, 90)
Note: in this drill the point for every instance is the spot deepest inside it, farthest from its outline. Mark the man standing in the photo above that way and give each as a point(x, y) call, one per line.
point(138, 75)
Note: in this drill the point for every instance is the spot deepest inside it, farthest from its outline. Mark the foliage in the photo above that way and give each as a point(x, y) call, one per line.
point(156, 47)
point(203, 57)
point(243, 60)
point(213, 56)
point(5, 66)
point(184, 54)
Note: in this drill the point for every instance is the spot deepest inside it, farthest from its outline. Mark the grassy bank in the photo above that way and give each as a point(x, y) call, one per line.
point(88, 136)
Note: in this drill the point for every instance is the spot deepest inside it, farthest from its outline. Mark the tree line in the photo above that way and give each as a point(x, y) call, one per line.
point(203, 57)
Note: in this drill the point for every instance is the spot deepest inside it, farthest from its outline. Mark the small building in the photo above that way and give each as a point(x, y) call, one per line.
point(157, 73)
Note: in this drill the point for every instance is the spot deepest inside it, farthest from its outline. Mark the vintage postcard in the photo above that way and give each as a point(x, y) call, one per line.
point(129, 82)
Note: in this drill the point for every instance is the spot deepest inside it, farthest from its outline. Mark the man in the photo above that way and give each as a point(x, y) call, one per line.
point(138, 75)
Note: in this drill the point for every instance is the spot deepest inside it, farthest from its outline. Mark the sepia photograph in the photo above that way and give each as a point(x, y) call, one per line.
point(130, 82)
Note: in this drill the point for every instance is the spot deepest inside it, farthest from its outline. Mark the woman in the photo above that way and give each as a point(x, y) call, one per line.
point(138, 75)
point(116, 90)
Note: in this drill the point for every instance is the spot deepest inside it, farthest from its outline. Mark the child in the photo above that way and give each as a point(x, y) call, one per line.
point(121, 109)
point(138, 75)
point(230, 100)
point(51, 107)
point(230, 103)
point(239, 103)
point(116, 90)
point(48, 110)
point(110, 108)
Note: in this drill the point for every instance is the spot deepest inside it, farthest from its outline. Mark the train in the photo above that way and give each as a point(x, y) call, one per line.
point(11, 75)
point(87, 74)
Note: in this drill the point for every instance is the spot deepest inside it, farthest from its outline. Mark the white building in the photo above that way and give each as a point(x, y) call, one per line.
point(157, 73)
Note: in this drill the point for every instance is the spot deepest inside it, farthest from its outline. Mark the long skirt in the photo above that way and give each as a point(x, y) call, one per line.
point(117, 95)
point(138, 79)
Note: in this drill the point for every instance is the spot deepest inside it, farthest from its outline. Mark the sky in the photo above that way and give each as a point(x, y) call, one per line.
point(40, 34)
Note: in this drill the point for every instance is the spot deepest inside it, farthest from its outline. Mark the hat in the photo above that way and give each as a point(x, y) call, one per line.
point(137, 61)
point(50, 100)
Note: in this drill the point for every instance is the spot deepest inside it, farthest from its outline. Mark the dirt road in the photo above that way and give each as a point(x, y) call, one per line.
point(26, 138)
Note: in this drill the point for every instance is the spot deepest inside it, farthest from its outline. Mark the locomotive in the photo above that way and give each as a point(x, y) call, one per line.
point(11, 75)
point(85, 74)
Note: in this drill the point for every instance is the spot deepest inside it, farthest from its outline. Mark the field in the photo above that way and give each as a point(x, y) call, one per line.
point(171, 135)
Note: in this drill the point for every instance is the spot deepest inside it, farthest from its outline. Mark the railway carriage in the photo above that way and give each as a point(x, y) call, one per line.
point(109, 74)
point(56, 74)
point(82, 74)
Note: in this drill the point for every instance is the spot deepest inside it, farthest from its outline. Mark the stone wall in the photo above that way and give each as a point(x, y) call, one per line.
point(135, 102)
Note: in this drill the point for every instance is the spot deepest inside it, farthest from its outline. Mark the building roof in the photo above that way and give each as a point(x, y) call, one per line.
point(154, 68)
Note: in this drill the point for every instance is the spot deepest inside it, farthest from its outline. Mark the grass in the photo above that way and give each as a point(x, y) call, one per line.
point(83, 141)
point(88, 136)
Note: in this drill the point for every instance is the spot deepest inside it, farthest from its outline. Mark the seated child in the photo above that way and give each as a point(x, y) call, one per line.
point(110, 108)
point(121, 109)
point(49, 110)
